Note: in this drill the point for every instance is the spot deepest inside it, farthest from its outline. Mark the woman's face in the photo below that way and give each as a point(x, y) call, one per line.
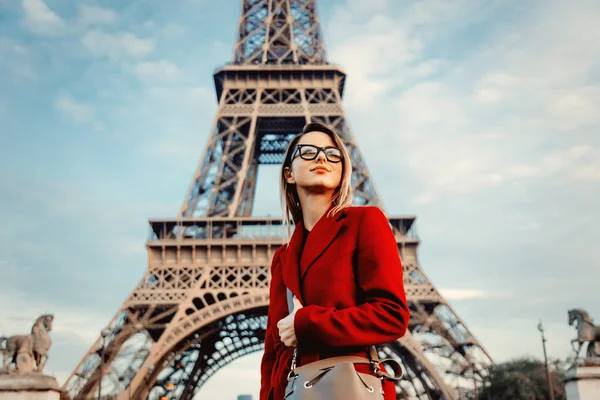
point(318, 175)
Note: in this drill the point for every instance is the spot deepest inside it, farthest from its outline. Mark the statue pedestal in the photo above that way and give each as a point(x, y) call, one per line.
point(28, 387)
point(582, 382)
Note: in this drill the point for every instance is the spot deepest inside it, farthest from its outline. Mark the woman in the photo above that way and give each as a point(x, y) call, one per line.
point(341, 264)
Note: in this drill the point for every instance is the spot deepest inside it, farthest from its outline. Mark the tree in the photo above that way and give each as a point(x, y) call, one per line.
point(523, 379)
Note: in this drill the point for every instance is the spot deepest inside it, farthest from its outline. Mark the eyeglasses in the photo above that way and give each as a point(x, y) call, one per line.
point(309, 152)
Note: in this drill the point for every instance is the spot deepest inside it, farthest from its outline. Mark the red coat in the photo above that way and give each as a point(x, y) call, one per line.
point(350, 283)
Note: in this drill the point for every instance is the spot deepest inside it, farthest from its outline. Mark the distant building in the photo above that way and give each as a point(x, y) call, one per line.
point(245, 397)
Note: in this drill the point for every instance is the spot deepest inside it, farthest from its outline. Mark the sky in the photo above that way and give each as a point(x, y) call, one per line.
point(479, 117)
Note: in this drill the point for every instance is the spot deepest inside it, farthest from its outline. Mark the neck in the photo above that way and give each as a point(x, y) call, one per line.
point(314, 205)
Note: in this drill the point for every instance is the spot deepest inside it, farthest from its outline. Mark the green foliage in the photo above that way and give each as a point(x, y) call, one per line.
point(523, 379)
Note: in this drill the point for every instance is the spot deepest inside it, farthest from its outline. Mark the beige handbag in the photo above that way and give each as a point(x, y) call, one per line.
point(336, 378)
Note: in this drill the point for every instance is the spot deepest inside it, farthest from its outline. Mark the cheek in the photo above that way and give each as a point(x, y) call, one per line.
point(337, 171)
point(297, 170)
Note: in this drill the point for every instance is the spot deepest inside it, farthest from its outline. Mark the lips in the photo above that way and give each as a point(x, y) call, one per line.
point(319, 168)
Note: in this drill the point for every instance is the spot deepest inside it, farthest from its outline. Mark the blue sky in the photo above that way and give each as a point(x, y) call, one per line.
point(477, 116)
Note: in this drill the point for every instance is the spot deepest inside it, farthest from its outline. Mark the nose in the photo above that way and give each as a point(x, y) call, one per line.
point(321, 157)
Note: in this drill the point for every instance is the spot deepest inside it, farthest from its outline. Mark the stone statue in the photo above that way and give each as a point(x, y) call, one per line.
point(586, 332)
point(28, 351)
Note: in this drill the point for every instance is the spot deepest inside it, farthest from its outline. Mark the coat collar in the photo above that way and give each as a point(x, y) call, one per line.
point(319, 239)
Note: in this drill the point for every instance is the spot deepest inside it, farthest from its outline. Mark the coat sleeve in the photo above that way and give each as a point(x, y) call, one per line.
point(383, 314)
point(268, 358)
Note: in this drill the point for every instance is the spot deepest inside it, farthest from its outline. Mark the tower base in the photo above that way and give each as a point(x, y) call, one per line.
point(582, 382)
point(28, 387)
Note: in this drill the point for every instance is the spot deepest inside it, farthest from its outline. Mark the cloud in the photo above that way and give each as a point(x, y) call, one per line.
point(93, 15)
point(520, 336)
point(494, 85)
point(39, 19)
point(470, 121)
point(372, 57)
point(176, 140)
point(469, 294)
point(117, 46)
point(185, 97)
point(156, 72)
point(575, 108)
point(173, 30)
point(577, 163)
point(16, 62)
point(73, 109)
point(87, 216)
point(382, 49)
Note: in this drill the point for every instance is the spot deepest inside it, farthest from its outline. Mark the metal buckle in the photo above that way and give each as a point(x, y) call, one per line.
point(294, 357)
point(376, 369)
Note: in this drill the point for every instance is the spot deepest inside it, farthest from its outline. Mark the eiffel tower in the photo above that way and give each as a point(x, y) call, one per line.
point(202, 302)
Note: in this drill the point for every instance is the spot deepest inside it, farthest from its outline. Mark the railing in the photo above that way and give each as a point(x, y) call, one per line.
point(245, 228)
point(217, 228)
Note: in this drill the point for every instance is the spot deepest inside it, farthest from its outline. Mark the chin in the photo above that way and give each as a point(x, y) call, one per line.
point(319, 186)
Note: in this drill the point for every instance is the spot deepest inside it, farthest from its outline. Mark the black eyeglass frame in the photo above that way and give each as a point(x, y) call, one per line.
point(319, 149)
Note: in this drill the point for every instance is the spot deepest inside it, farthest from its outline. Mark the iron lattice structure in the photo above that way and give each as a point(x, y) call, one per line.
point(203, 300)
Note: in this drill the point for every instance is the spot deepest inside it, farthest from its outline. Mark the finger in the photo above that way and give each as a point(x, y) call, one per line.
point(291, 341)
point(286, 332)
point(283, 325)
point(285, 339)
point(283, 333)
point(283, 322)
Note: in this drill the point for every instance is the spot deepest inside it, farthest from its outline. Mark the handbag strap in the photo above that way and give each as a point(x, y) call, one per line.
point(290, 300)
point(373, 356)
point(290, 303)
point(395, 365)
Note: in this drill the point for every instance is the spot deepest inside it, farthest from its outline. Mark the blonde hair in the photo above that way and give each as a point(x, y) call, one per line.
point(290, 203)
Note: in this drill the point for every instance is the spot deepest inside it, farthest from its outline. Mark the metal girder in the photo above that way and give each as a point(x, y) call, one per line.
point(279, 32)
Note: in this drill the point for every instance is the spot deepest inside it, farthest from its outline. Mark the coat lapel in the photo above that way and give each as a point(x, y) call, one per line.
point(289, 258)
point(319, 239)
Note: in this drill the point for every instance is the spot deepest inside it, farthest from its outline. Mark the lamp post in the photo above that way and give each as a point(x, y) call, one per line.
point(104, 333)
point(541, 329)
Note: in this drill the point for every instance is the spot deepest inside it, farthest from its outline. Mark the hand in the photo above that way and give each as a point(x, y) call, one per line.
point(286, 326)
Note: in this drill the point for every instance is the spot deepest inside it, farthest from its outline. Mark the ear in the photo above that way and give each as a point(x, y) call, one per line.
point(289, 178)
